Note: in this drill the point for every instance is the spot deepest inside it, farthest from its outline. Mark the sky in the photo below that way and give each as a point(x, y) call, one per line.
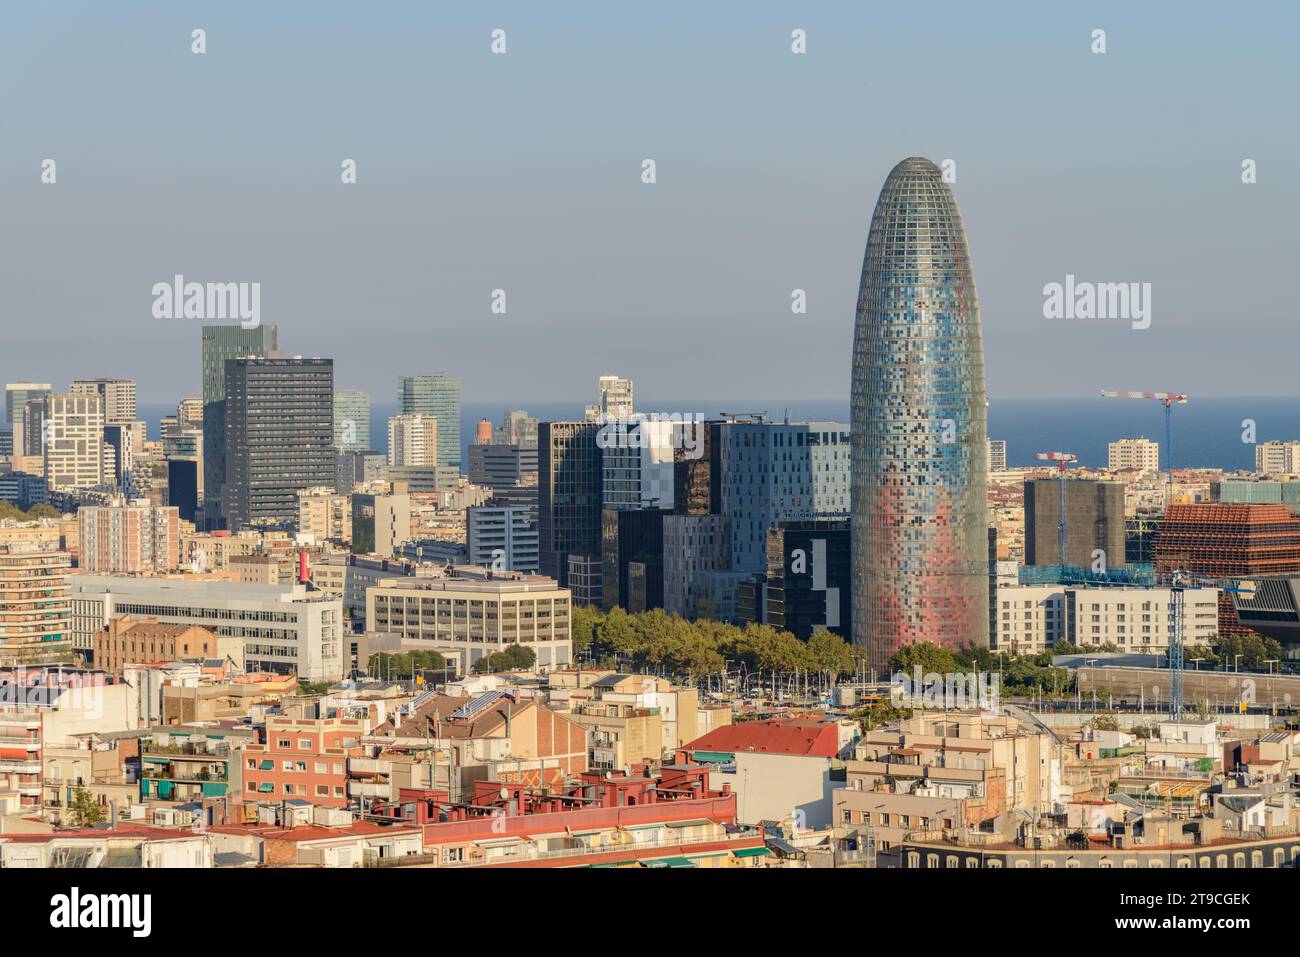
point(523, 172)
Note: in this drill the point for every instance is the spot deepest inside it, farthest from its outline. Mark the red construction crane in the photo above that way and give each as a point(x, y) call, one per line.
point(1168, 398)
point(1062, 459)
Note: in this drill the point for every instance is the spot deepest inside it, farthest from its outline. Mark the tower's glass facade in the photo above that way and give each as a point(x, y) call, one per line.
point(439, 396)
point(919, 459)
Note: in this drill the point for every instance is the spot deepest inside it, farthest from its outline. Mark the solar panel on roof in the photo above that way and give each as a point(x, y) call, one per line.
point(478, 704)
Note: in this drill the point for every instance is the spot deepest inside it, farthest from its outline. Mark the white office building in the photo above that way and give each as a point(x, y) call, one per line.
point(502, 538)
point(284, 628)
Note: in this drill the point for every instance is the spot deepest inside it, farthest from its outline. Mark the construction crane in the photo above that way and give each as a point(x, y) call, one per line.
point(1179, 581)
point(1062, 459)
point(1168, 398)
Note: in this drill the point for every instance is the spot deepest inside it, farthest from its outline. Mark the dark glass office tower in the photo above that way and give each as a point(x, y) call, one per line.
point(279, 437)
point(219, 344)
point(919, 469)
point(568, 496)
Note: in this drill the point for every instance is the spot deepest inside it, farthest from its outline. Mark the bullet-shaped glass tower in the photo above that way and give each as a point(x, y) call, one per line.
point(919, 469)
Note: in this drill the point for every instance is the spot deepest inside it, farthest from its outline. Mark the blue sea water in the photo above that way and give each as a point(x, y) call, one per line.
point(1206, 432)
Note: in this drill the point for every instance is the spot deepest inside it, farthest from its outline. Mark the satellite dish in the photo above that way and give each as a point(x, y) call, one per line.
point(505, 793)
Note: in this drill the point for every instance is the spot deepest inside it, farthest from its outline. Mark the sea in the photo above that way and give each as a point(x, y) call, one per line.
point(1207, 433)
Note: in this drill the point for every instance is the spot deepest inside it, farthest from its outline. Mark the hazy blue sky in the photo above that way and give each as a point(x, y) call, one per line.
point(522, 172)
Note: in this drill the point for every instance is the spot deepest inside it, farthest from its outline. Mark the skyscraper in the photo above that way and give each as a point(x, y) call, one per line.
point(219, 344)
point(439, 396)
point(1094, 523)
point(615, 400)
point(17, 395)
point(279, 437)
point(919, 464)
point(413, 440)
point(351, 420)
point(72, 431)
point(569, 498)
point(118, 396)
point(779, 472)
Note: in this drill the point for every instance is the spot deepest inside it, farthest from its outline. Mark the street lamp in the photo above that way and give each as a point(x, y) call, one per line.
point(1235, 659)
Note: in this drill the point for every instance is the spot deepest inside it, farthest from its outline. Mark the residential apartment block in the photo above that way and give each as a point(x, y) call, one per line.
point(1140, 453)
point(129, 538)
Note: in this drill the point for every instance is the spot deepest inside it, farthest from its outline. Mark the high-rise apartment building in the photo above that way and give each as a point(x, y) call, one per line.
point(325, 515)
point(439, 396)
point(189, 411)
point(413, 439)
point(1139, 453)
point(279, 437)
point(219, 344)
point(615, 399)
point(35, 619)
point(1277, 458)
point(129, 538)
point(118, 396)
point(568, 496)
point(351, 420)
point(72, 428)
point(772, 472)
point(920, 512)
point(517, 428)
point(997, 455)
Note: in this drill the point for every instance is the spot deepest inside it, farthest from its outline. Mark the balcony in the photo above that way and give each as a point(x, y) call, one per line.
point(8, 766)
point(369, 766)
point(370, 789)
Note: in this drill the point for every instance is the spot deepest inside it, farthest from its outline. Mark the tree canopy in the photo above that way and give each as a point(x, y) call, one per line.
point(659, 640)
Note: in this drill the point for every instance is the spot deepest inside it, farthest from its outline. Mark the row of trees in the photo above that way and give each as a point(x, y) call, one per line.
point(514, 658)
point(12, 511)
point(1255, 653)
point(404, 664)
point(1020, 674)
point(656, 639)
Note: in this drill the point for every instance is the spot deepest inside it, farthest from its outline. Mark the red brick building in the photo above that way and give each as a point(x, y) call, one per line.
point(1226, 542)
